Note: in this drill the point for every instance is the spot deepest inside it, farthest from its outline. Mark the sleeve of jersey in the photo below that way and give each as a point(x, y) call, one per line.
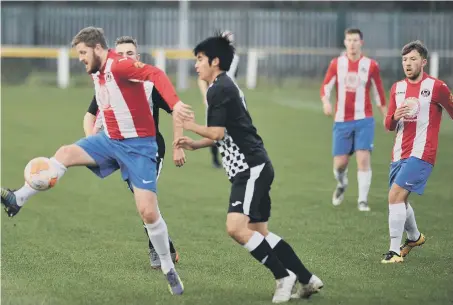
point(137, 71)
point(217, 111)
point(93, 108)
point(329, 79)
point(446, 99)
point(377, 86)
point(390, 123)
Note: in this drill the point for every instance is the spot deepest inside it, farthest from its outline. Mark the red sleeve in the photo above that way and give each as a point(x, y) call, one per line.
point(129, 69)
point(329, 79)
point(445, 99)
point(390, 123)
point(377, 86)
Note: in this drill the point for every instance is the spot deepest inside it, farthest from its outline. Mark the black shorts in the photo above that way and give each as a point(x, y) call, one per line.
point(250, 192)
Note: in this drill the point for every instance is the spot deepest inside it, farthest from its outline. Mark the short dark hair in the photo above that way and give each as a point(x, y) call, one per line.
point(415, 45)
point(126, 39)
point(219, 46)
point(354, 31)
point(91, 36)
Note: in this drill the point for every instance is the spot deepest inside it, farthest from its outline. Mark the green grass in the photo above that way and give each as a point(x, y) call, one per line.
point(83, 242)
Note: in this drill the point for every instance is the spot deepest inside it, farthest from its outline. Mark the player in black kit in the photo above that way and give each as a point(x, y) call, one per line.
point(249, 170)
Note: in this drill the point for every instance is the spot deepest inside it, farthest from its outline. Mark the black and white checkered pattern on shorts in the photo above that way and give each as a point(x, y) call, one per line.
point(232, 159)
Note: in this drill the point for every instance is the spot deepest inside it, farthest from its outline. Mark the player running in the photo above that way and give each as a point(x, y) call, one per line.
point(353, 75)
point(127, 46)
point(415, 113)
point(249, 169)
point(128, 141)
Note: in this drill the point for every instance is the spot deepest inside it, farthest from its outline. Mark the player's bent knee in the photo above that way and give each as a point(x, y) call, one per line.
point(397, 194)
point(149, 215)
point(236, 225)
point(146, 205)
point(340, 162)
point(363, 159)
point(72, 155)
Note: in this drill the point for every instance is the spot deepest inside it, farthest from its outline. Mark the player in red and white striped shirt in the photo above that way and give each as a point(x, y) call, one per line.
point(415, 112)
point(128, 141)
point(355, 77)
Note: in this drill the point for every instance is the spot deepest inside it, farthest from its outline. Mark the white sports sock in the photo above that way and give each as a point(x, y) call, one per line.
point(273, 239)
point(158, 234)
point(411, 226)
point(24, 193)
point(364, 181)
point(397, 218)
point(60, 168)
point(341, 176)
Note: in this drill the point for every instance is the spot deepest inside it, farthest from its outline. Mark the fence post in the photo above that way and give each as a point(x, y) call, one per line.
point(63, 73)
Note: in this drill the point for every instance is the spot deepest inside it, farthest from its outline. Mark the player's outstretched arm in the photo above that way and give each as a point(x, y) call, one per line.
point(190, 144)
point(128, 69)
point(212, 133)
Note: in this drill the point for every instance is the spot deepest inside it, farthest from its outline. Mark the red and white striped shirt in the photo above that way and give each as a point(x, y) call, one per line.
point(417, 134)
point(122, 98)
point(353, 81)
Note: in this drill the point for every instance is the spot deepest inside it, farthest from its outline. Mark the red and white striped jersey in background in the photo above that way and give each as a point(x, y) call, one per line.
point(417, 134)
point(353, 80)
point(122, 97)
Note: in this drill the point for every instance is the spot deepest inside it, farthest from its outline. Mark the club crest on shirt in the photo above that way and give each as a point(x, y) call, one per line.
point(352, 81)
point(425, 92)
point(108, 77)
point(414, 105)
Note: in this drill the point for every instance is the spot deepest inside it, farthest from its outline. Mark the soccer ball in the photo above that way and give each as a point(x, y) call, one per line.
point(40, 174)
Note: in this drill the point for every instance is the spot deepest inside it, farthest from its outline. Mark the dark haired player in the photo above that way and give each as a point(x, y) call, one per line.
point(203, 85)
point(249, 169)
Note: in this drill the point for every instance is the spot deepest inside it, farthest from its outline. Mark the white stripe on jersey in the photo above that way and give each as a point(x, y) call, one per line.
point(418, 148)
point(399, 99)
point(359, 103)
point(342, 70)
point(149, 86)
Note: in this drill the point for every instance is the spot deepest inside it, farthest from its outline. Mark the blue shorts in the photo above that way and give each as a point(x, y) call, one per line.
point(351, 136)
point(135, 157)
point(411, 174)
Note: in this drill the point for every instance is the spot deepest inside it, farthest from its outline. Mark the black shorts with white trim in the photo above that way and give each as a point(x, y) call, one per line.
point(250, 192)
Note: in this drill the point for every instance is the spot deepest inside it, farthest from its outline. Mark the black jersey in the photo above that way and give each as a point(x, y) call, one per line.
point(242, 147)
